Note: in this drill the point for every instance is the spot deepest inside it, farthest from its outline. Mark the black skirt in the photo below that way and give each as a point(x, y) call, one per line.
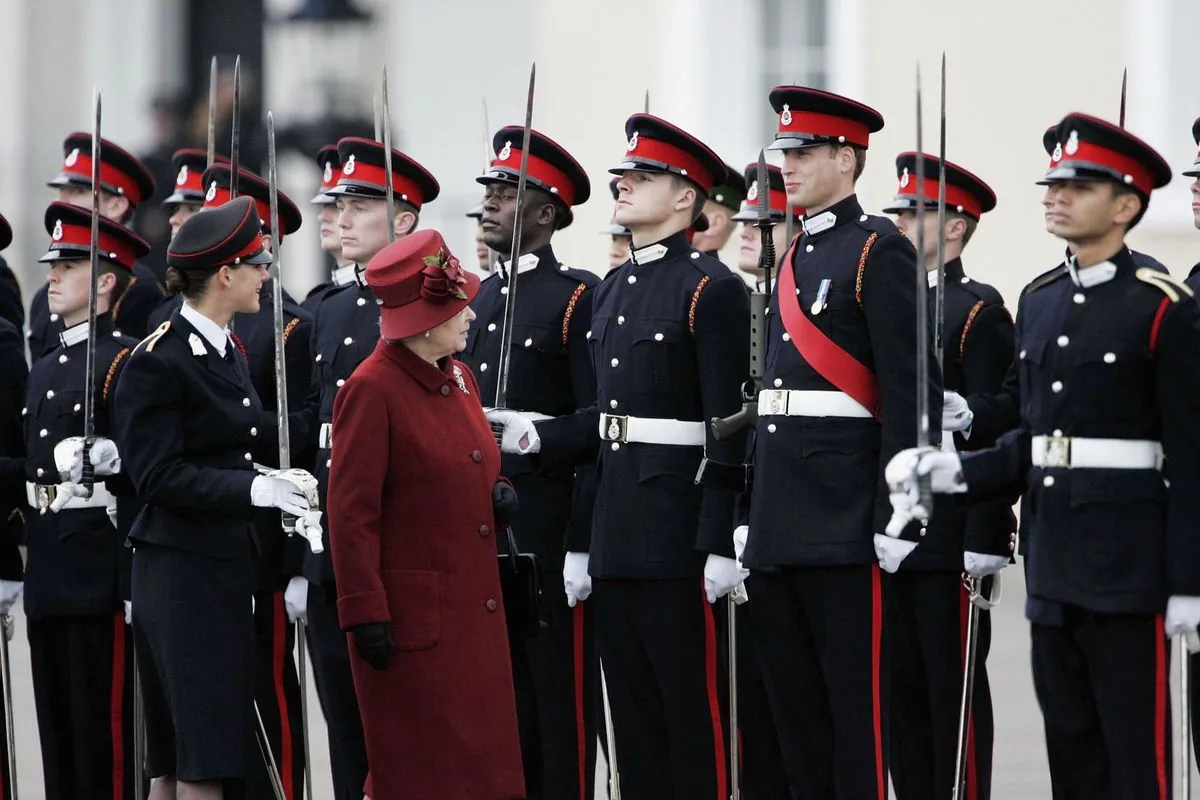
point(194, 629)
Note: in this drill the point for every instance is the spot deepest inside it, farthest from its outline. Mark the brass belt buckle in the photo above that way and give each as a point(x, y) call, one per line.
point(776, 402)
point(616, 428)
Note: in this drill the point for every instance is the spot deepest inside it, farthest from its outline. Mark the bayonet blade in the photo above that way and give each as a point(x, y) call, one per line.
point(487, 138)
point(646, 105)
point(766, 256)
point(389, 192)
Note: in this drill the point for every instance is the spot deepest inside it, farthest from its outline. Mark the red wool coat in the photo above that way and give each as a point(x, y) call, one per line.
point(412, 538)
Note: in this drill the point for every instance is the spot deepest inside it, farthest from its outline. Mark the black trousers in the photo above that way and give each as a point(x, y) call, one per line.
point(819, 633)
point(1102, 681)
point(926, 620)
point(330, 653)
point(277, 694)
point(658, 648)
point(762, 774)
point(556, 678)
point(83, 692)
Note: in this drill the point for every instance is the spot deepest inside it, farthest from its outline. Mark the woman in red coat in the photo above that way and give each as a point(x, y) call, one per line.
point(414, 501)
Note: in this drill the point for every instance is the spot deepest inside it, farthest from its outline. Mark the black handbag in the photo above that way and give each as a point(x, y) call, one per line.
point(521, 583)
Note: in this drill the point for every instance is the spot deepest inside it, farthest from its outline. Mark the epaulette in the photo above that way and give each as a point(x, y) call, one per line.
point(709, 267)
point(153, 338)
point(291, 326)
point(983, 291)
point(577, 275)
point(112, 372)
point(1045, 279)
point(875, 224)
point(1172, 288)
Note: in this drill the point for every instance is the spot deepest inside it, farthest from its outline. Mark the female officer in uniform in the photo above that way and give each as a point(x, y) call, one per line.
point(188, 421)
point(414, 501)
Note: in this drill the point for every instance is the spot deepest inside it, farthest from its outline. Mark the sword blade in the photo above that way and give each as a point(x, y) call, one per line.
point(610, 736)
point(89, 380)
point(1124, 86)
point(487, 138)
point(389, 189)
point(922, 289)
point(514, 252)
point(281, 398)
point(646, 105)
point(302, 655)
point(939, 312)
point(1185, 718)
point(6, 627)
point(735, 768)
point(212, 112)
point(378, 119)
point(235, 124)
point(972, 586)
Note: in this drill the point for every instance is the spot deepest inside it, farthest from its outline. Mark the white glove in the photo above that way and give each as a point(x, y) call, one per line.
point(10, 592)
point(1183, 615)
point(891, 552)
point(576, 580)
point(295, 598)
point(274, 491)
point(983, 564)
point(68, 458)
point(721, 576)
point(740, 534)
point(65, 493)
point(520, 435)
point(956, 414)
point(110, 508)
point(309, 526)
point(128, 612)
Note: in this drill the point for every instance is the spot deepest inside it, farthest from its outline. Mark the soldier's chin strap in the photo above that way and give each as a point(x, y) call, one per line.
point(974, 586)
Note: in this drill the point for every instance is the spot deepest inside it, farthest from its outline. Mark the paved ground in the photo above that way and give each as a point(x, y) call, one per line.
point(1020, 769)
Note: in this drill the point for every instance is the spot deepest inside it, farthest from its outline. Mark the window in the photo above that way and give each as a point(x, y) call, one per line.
point(795, 49)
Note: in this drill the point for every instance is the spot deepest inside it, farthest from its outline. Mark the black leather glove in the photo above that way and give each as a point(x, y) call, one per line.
point(374, 643)
point(504, 504)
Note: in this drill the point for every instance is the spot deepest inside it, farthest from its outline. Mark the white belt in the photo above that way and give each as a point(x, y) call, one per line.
point(1075, 452)
point(325, 437)
point(803, 403)
point(615, 428)
point(40, 496)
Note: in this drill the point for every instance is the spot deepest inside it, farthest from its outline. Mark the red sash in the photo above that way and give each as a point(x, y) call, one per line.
point(824, 355)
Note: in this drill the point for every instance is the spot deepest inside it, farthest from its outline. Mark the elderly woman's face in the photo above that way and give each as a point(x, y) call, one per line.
point(451, 336)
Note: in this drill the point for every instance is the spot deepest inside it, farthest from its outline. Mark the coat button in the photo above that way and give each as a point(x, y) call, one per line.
point(483, 367)
point(328, 463)
point(341, 382)
point(348, 340)
point(612, 403)
point(778, 382)
point(40, 472)
point(616, 446)
point(254, 431)
point(491, 327)
point(249, 457)
point(695, 255)
point(787, 337)
point(245, 402)
point(529, 342)
point(362, 301)
point(588, 335)
point(484, 531)
point(491, 605)
point(503, 290)
point(43, 433)
point(808, 249)
point(476, 456)
point(1079, 298)
point(771, 428)
point(49, 394)
point(863, 218)
point(77, 408)
point(621, 320)
point(54, 317)
point(1058, 432)
point(1063, 341)
point(1110, 358)
point(1021, 355)
point(633, 278)
point(616, 362)
point(658, 337)
point(964, 279)
point(923, 531)
point(1056, 387)
point(318, 358)
point(62, 359)
point(1048, 481)
point(445, 390)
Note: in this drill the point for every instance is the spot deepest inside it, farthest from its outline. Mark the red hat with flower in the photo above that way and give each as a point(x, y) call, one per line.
point(419, 284)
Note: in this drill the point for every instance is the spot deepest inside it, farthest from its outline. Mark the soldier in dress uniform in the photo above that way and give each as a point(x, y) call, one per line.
point(188, 197)
point(719, 209)
point(928, 604)
point(751, 237)
point(12, 308)
point(550, 374)
point(188, 426)
point(1109, 388)
point(483, 253)
point(13, 506)
point(345, 331)
point(327, 218)
point(838, 402)
point(669, 352)
point(124, 183)
point(618, 250)
point(78, 571)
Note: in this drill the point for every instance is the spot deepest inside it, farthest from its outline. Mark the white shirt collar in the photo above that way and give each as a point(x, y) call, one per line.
point(344, 276)
point(819, 222)
point(931, 276)
point(74, 334)
point(524, 263)
point(216, 336)
point(1094, 275)
point(649, 253)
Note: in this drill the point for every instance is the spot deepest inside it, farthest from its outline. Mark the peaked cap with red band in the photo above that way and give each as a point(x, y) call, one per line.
point(364, 175)
point(331, 171)
point(811, 117)
point(70, 229)
point(189, 165)
point(1088, 148)
point(656, 145)
point(216, 179)
point(5, 233)
point(965, 193)
point(419, 284)
point(777, 200)
point(551, 168)
point(1194, 172)
point(227, 234)
point(120, 173)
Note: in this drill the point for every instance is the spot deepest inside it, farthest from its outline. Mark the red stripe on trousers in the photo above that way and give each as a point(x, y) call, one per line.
point(714, 702)
point(116, 708)
point(964, 617)
point(279, 651)
point(580, 733)
point(876, 655)
point(1160, 705)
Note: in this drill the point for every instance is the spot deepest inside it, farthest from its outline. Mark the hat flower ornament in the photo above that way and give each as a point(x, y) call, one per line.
point(443, 278)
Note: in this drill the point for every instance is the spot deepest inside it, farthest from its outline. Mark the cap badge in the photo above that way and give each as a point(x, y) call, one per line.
point(633, 143)
point(327, 176)
point(505, 152)
point(752, 194)
point(786, 115)
point(57, 234)
point(211, 194)
point(349, 167)
point(1057, 155)
point(1073, 143)
point(182, 177)
point(904, 177)
point(71, 158)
